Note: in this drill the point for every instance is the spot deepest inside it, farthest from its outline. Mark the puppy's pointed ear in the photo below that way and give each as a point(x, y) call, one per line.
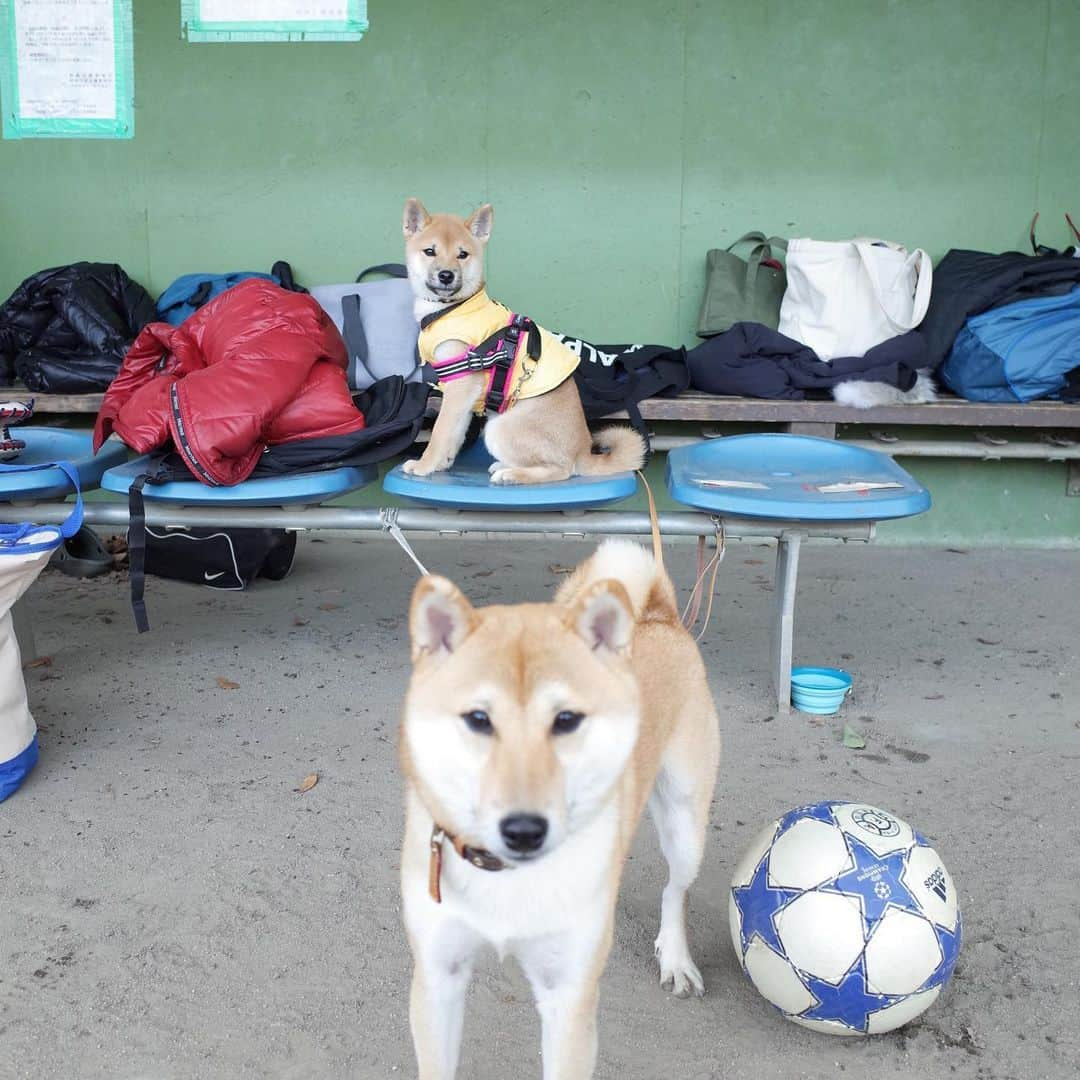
point(415, 219)
point(440, 618)
point(479, 222)
point(604, 618)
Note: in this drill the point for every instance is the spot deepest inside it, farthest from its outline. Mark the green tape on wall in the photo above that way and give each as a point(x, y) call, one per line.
point(273, 20)
point(66, 72)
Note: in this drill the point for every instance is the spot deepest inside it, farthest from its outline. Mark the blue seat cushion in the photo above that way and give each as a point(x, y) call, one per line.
point(45, 444)
point(467, 486)
point(308, 488)
point(792, 478)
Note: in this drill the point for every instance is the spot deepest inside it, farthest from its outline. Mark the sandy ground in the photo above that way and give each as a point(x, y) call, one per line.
point(171, 907)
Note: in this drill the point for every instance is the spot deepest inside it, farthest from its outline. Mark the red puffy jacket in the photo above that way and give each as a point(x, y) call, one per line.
point(255, 367)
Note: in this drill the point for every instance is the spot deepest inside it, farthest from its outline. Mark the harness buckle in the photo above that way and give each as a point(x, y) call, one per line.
point(478, 361)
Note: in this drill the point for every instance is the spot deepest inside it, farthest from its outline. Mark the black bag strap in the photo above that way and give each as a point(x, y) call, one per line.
point(397, 270)
point(137, 551)
point(199, 296)
point(284, 274)
point(137, 540)
point(352, 330)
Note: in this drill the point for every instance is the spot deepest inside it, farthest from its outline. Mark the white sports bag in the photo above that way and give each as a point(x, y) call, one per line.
point(845, 297)
point(24, 551)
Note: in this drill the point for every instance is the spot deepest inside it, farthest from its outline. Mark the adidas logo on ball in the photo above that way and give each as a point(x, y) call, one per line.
point(936, 881)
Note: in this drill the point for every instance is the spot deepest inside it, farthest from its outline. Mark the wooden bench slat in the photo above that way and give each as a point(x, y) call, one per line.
point(952, 412)
point(54, 403)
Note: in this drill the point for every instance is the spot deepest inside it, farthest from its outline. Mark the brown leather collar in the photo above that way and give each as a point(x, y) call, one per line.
point(478, 857)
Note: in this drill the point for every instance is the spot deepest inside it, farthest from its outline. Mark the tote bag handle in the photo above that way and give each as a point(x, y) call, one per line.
point(921, 300)
point(762, 250)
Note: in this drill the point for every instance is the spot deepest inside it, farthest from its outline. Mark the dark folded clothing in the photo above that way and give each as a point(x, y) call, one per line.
point(751, 360)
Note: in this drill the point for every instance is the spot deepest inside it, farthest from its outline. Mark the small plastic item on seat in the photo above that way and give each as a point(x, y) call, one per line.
point(46, 444)
point(467, 486)
point(793, 478)
point(309, 488)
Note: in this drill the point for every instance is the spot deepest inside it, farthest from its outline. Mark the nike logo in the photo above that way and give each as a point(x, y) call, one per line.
point(213, 577)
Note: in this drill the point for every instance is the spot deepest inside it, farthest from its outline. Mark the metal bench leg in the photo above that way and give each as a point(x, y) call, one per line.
point(24, 629)
point(787, 576)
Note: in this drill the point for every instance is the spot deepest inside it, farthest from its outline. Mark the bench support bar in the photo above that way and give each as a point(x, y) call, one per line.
point(789, 536)
point(788, 548)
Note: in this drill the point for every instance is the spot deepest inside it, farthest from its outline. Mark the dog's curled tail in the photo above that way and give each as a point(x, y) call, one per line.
point(651, 593)
point(614, 449)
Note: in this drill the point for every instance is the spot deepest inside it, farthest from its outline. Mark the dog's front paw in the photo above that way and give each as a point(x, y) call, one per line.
point(418, 467)
point(495, 466)
point(678, 971)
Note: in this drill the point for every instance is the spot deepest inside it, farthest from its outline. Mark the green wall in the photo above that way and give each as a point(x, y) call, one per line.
point(617, 140)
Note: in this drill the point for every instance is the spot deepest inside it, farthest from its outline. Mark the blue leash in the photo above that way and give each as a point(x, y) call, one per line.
point(11, 536)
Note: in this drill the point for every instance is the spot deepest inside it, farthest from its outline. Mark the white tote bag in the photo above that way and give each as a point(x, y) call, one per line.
point(843, 298)
point(24, 551)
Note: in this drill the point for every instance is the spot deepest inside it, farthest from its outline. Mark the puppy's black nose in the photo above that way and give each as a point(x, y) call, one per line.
point(523, 832)
point(446, 277)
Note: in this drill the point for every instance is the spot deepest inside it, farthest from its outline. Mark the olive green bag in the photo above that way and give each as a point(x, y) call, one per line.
point(742, 290)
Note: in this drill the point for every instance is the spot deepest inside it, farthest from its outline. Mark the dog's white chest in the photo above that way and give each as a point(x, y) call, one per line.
point(538, 899)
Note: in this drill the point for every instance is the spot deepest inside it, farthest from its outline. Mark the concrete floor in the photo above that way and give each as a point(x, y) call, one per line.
point(171, 908)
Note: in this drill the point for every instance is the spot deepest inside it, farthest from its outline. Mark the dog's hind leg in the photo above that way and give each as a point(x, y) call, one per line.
point(529, 474)
point(443, 958)
point(679, 806)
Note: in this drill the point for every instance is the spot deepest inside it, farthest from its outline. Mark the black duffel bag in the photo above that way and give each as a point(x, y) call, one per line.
point(229, 559)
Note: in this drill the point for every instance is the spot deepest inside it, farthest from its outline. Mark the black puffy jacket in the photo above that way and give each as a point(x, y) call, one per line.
point(65, 330)
point(969, 282)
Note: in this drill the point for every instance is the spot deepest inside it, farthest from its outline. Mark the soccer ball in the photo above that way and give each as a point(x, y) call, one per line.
point(845, 918)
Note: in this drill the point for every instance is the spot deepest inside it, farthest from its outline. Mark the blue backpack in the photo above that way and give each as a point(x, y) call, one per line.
point(189, 292)
point(1018, 352)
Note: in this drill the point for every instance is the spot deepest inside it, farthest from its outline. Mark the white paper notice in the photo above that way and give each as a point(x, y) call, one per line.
point(66, 59)
point(240, 11)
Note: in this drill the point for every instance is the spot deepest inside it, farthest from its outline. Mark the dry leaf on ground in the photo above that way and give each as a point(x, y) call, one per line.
point(297, 621)
point(227, 684)
point(307, 783)
point(329, 605)
point(852, 739)
point(41, 661)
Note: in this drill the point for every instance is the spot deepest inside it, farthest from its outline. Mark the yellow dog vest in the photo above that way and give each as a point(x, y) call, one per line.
point(521, 359)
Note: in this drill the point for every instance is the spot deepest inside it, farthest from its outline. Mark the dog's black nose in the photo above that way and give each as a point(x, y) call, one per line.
point(446, 277)
point(523, 832)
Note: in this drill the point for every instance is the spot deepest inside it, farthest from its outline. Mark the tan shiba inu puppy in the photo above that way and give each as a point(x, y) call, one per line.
point(538, 433)
point(533, 736)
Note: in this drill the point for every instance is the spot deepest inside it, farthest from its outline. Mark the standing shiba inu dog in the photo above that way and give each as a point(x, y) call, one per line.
point(489, 359)
point(533, 735)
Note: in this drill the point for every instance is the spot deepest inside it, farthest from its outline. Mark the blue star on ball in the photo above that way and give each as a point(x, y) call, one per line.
point(821, 811)
point(876, 890)
point(849, 1002)
point(758, 903)
point(949, 943)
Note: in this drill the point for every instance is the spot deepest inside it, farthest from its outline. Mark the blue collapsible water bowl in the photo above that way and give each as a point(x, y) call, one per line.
point(819, 690)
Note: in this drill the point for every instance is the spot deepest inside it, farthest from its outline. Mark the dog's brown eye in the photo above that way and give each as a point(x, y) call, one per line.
point(429, 252)
point(478, 721)
point(462, 254)
point(566, 722)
